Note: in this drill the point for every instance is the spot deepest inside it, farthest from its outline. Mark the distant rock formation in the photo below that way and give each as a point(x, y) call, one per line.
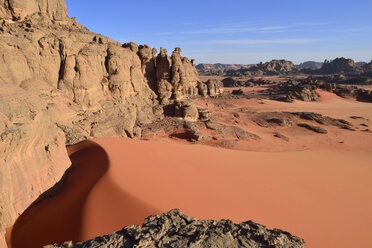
point(274, 67)
point(312, 65)
point(218, 68)
point(305, 91)
point(367, 67)
point(339, 65)
point(281, 67)
point(174, 229)
point(231, 82)
point(61, 83)
point(361, 63)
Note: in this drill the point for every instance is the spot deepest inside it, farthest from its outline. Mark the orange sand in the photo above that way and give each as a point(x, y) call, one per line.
point(327, 96)
point(324, 197)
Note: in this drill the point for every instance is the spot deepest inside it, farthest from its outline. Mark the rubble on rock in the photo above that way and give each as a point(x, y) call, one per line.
point(174, 229)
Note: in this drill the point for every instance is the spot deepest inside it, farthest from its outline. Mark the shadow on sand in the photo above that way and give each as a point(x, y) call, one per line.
point(59, 214)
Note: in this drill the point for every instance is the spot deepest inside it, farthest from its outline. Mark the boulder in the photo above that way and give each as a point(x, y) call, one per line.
point(186, 110)
point(194, 135)
point(204, 114)
point(203, 89)
point(238, 92)
point(215, 87)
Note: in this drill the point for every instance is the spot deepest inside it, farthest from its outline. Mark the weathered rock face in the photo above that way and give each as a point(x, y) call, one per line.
point(183, 77)
point(148, 59)
point(61, 83)
point(174, 229)
point(19, 9)
point(177, 77)
point(163, 76)
point(32, 148)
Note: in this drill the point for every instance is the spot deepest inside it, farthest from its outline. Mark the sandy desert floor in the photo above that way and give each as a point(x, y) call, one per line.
point(318, 187)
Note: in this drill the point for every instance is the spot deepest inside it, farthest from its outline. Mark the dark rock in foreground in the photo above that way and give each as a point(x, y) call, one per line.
point(174, 229)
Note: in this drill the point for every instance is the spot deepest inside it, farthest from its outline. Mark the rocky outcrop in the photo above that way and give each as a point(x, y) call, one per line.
point(186, 110)
point(293, 90)
point(274, 67)
point(339, 65)
point(315, 129)
point(231, 82)
point(310, 65)
point(19, 9)
point(163, 76)
point(305, 90)
point(60, 84)
point(184, 76)
point(148, 60)
point(367, 67)
point(177, 78)
point(174, 229)
point(218, 68)
point(215, 87)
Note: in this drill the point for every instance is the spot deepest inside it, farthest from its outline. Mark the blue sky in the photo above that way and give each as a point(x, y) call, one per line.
point(237, 31)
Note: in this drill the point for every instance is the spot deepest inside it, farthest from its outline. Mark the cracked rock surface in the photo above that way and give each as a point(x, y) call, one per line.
point(174, 229)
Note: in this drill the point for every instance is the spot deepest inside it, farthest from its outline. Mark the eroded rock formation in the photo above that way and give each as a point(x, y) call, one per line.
point(60, 84)
point(19, 9)
point(340, 65)
point(305, 90)
point(174, 229)
point(274, 67)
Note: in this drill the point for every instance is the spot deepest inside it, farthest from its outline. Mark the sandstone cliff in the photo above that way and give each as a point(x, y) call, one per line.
point(61, 83)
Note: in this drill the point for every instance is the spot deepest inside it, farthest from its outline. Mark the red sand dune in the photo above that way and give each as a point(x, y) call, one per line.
point(324, 197)
point(327, 96)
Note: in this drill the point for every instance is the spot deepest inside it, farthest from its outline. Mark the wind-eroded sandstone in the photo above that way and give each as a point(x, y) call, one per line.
point(61, 83)
point(19, 9)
